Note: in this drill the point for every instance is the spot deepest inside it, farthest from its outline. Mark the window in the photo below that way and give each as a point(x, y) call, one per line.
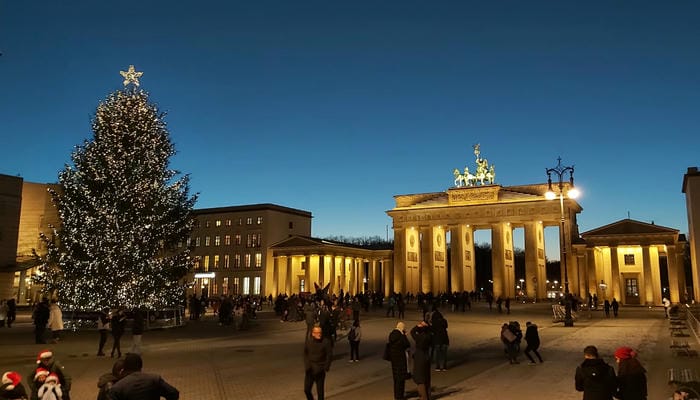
point(240, 221)
point(631, 287)
point(237, 238)
point(259, 221)
point(214, 288)
point(179, 244)
point(237, 261)
point(246, 285)
point(236, 285)
point(227, 240)
point(197, 223)
point(228, 222)
point(249, 240)
point(291, 225)
point(196, 263)
point(207, 241)
point(197, 243)
point(258, 260)
point(256, 285)
point(629, 259)
point(217, 223)
point(216, 261)
point(224, 288)
point(227, 260)
point(302, 285)
point(189, 241)
point(247, 260)
point(206, 263)
point(217, 240)
point(249, 221)
point(207, 224)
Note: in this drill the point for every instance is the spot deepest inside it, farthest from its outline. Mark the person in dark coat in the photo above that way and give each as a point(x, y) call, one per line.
point(606, 308)
point(441, 340)
point(103, 327)
point(137, 385)
point(318, 354)
point(615, 307)
point(11, 312)
point(594, 377)
point(137, 330)
point(631, 378)
point(41, 319)
point(422, 335)
point(118, 324)
point(106, 381)
point(532, 337)
point(398, 347)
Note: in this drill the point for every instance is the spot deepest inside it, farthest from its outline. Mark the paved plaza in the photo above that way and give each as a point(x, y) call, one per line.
point(208, 362)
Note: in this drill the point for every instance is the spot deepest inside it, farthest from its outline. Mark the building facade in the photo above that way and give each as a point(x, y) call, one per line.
point(231, 246)
point(691, 188)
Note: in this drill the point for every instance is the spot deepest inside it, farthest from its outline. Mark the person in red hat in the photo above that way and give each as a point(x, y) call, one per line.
point(45, 359)
point(631, 376)
point(12, 387)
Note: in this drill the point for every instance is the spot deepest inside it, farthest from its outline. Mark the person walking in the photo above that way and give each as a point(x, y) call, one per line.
point(318, 354)
point(422, 336)
point(11, 312)
point(118, 324)
point(532, 337)
point(441, 340)
point(631, 375)
point(103, 327)
point(137, 331)
point(606, 308)
point(615, 307)
point(354, 336)
point(41, 319)
point(507, 305)
point(137, 385)
point(55, 321)
point(594, 377)
point(398, 348)
point(667, 304)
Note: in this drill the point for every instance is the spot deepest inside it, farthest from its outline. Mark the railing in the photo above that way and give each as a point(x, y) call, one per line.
point(692, 316)
point(158, 319)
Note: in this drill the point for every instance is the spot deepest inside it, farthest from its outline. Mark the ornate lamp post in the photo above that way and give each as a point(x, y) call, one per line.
point(559, 172)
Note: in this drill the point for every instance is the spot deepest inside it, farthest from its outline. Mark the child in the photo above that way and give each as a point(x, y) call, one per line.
point(51, 389)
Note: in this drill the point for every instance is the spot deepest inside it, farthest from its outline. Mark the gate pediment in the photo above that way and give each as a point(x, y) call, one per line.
point(473, 195)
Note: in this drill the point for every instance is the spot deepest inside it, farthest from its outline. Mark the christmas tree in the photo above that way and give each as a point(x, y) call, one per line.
point(125, 215)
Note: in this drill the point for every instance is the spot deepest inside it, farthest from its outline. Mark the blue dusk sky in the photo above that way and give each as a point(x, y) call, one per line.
point(336, 106)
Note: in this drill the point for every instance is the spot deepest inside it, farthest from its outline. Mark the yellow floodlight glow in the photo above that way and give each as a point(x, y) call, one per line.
point(550, 195)
point(573, 193)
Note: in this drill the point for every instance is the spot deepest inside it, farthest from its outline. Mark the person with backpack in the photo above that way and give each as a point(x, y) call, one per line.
point(594, 377)
point(354, 336)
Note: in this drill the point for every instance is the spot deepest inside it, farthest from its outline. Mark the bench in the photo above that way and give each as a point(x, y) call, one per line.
point(679, 348)
point(682, 375)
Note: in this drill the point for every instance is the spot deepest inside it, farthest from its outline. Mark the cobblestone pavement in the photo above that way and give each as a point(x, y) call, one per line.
point(208, 362)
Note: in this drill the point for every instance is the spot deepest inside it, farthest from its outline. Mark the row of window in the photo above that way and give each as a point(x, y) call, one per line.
point(216, 261)
point(252, 240)
point(229, 286)
point(228, 222)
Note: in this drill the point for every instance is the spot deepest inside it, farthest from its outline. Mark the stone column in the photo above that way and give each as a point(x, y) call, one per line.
point(21, 295)
point(680, 262)
point(374, 275)
point(388, 277)
point(439, 257)
point(469, 267)
point(615, 288)
point(361, 276)
point(535, 277)
point(275, 276)
point(647, 295)
point(426, 259)
point(331, 271)
point(396, 277)
point(307, 273)
point(672, 274)
point(343, 268)
point(322, 270)
point(582, 269)
point(288, 283)
point(502, 260)
point(457, 258)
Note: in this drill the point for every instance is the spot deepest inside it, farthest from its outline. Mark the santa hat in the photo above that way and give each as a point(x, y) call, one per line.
point(11, 379)
point(41, 372)
point(52, 377)
point(43, 354)
point(624, 353)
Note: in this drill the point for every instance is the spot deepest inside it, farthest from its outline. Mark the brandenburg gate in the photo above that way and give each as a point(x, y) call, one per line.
point(421, 223)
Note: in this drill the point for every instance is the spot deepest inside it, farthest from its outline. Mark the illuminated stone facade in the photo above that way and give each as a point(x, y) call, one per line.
point(691, 188)
point(421, 223)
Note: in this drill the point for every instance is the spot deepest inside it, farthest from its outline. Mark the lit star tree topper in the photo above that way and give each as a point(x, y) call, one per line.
point(131, 76)
point(125, 215)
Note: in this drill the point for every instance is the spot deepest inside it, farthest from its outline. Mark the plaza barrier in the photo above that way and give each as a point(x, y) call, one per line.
point(153, 319)
point(692, 316)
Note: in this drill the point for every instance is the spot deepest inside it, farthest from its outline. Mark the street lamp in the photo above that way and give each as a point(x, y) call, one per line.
point(559, 172)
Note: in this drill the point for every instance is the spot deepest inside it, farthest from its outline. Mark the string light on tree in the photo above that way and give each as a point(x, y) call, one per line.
point(123, 211)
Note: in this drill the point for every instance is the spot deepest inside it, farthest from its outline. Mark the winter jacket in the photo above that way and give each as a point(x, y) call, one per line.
point(398, 344)
point(55, 318)
point(631, 380)
point(596, 379)
point(142, 386)
point(439, 327)
point(421, 358)
point(318, 354)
